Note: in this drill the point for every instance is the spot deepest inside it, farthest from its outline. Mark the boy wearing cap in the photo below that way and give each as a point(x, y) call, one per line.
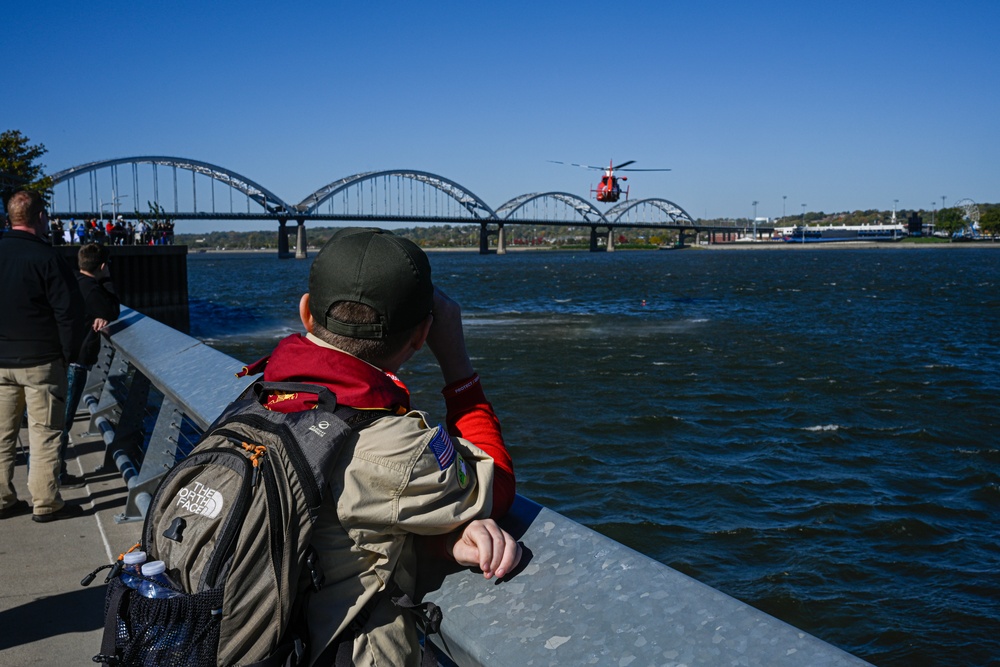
point(371, 305)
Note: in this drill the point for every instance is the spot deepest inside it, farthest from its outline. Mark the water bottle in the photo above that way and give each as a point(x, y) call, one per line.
point(157, 571)
point(133, 561)
point(165, 644)
point(133, 566)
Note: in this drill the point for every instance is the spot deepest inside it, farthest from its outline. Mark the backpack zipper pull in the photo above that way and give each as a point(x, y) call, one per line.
point(256, 458)
point(257, 453)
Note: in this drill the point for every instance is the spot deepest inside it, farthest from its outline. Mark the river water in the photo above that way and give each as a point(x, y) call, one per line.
point(812, 431)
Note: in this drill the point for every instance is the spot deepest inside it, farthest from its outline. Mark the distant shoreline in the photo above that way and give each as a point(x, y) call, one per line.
point(888, 245)
point(766, 245)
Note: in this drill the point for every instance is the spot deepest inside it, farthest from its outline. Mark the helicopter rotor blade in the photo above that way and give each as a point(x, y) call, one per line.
point(645, 169)
point(574, 164)
point(624, 164)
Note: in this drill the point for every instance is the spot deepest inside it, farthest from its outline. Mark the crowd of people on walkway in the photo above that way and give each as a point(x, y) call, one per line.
point(118, 231)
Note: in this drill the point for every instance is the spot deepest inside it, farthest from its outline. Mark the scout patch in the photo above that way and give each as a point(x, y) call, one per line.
point(463, 474)
point(444, 450)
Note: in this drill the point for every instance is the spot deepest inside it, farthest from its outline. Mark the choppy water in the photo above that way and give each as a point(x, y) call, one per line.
point(810, 431)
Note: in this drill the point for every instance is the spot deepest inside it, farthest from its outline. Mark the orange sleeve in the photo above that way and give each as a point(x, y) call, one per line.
point(470, 416)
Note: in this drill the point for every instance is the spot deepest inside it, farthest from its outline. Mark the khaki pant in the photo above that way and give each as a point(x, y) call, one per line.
point(43, 390)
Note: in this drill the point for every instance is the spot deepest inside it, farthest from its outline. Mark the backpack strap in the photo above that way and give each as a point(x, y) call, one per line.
point(340, 652)
point(293, 652)
point(430, 616)
point(108, 656)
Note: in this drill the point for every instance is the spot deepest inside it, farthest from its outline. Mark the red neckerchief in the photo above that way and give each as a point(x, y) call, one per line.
point(355, 383)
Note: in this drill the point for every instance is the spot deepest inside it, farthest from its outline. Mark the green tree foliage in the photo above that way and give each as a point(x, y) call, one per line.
point(19, 167)
point(989, 221)
point(156, 214)
point(950, 220)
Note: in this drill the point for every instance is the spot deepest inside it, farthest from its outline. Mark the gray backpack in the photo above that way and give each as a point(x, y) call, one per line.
point(233, 522)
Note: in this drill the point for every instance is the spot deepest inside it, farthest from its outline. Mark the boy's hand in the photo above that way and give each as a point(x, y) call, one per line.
point(484, 544)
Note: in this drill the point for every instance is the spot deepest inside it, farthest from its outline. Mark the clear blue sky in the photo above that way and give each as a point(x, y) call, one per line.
point(838, 105)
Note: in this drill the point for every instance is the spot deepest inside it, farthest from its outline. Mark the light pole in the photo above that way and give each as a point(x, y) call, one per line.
point(114, 200)
point(803, 223)
point(113, 204)
point(755, 202)
point(103, 204)
point(943, 197)
point(783, 198)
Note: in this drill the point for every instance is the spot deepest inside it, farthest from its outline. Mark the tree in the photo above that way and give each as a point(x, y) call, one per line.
point(18, 165)
point(949, 220)
point(989, 222)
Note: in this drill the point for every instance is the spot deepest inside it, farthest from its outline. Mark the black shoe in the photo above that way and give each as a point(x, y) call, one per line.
point(65, 512)
point(17, 509)
point(68, 481)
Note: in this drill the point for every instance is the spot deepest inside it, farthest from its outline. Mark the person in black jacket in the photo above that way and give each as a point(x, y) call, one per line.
point(101, 306)
point(41, 328)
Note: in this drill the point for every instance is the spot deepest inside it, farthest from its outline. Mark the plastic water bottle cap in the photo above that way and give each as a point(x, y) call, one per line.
point(153, 568)
point(135, 557)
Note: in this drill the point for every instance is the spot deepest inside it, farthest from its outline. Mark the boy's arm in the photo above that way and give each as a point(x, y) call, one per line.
point(471, 417)
point(469, 414)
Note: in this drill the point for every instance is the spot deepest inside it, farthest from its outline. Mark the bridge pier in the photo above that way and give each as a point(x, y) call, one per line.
point(300, 240)
point(611, 239)
point(680, 239)
point(484, 238)
point(593, 239)
point(283, 252)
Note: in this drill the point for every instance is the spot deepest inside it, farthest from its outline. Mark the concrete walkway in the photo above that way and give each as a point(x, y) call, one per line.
point(46, 617)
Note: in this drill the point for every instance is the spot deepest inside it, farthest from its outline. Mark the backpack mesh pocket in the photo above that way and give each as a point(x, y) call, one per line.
point(167, 632)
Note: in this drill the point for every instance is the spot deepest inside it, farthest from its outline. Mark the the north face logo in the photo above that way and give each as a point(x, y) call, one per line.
point(201, 500)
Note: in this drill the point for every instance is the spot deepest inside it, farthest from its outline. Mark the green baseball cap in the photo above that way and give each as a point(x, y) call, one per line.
point(377, 268)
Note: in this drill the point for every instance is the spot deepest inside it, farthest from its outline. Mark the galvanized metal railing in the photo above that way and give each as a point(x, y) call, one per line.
point(578, 598)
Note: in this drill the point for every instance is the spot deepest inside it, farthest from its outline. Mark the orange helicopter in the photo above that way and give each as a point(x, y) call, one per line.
point(608, 190)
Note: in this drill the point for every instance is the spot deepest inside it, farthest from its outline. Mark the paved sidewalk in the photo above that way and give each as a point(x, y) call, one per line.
point(46, 617)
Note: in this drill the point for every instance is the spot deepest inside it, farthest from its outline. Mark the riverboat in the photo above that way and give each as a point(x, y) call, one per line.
point(841, 233)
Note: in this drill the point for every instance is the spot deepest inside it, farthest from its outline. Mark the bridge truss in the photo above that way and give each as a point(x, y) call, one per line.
point(399, 194)
point(158, 186)
point(85, 191)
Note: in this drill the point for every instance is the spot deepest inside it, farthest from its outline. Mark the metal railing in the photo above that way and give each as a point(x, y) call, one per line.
point(579, 598)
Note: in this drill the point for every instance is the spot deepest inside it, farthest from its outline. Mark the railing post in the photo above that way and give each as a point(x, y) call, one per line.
point(99, 372)
point(106, 405)
point(124, 436)
point(161, 455)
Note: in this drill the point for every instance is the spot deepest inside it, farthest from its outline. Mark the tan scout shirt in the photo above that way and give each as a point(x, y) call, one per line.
point(389, 484)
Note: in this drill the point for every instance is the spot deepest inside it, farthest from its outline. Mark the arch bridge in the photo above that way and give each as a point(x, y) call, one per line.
point(164, 187)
